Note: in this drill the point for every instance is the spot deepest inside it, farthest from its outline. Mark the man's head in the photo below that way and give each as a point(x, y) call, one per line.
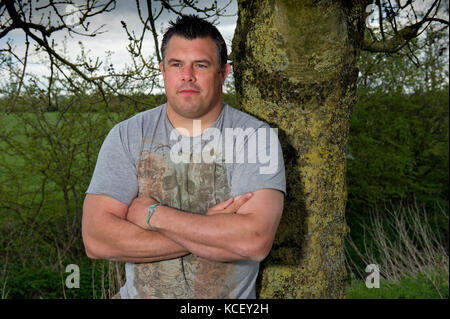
point(192, 27)
point(194, 69)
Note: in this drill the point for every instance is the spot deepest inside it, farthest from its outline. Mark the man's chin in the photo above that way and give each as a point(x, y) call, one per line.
point(188, 111)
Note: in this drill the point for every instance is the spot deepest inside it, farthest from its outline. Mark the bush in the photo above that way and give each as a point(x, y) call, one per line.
point(398, 146)
point(401, 241)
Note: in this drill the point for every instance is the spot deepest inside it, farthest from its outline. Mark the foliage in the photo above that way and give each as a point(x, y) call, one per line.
point(399, 147)
point(46, 162)
point(399, 154)
point(402, 241)
point(398, 142)
point(408, 287)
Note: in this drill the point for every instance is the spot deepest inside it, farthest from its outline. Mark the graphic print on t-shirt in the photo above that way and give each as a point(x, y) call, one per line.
point(193, 188)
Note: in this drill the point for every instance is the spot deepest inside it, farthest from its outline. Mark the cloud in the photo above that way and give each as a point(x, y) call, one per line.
point(113, 37)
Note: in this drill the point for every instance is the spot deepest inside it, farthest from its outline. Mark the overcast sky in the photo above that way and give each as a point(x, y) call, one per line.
point(114, 38)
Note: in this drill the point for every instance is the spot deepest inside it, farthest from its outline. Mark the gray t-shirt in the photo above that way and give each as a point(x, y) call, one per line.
point(146, 156)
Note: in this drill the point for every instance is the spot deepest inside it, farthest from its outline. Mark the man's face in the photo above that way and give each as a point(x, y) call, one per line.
point(193, 78)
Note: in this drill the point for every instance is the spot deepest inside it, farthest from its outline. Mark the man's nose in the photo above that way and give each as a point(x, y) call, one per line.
point(188, 73)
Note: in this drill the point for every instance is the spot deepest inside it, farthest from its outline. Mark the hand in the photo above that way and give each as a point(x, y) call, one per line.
point(230, 205)
point(138, 210)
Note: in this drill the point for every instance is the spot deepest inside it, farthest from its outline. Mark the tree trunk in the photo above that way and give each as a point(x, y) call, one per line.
point(295, 68)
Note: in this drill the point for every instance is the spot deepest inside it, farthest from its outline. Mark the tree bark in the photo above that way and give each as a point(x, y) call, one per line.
point(295, 68)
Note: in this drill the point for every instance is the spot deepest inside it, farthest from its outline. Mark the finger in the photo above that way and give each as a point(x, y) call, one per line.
point(223, 205)
point(238, 202)
point(242, 200)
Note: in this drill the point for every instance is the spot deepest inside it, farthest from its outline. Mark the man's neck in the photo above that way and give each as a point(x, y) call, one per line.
point(187, 125)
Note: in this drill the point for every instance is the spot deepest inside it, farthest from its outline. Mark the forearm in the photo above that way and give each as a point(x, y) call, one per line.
point(218, 237)
point(110, 237)
point(203, 249)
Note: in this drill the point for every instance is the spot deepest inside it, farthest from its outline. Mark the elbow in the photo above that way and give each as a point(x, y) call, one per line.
point(97, 250)
point(88, 249)
point(261, 253)
point(255, 250)
point(91, 248)
point(93, 253)
point(90, 252)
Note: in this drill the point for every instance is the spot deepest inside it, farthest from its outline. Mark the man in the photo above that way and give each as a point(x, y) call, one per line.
point(187, 226)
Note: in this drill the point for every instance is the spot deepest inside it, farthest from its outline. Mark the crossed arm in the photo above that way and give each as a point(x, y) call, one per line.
point(241, 228)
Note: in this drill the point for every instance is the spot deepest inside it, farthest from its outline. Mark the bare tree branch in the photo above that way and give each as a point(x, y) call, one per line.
point(402, 37)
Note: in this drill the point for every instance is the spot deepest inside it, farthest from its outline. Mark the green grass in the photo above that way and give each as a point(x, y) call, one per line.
point(409, 287)
point(46, 283)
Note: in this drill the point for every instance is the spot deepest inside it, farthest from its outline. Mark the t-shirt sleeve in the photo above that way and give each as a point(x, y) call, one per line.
point(115, 171)
point(261, 169)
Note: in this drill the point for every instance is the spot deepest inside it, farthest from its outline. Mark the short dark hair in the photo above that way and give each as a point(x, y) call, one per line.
point(192, 27)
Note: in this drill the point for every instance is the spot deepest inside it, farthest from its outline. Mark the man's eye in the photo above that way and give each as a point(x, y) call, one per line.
point(202, 66)
point(175, 65)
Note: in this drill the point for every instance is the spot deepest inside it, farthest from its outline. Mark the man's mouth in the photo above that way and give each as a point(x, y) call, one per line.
point(188, 92)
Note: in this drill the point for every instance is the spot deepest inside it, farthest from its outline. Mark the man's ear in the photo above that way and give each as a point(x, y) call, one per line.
point(161, 67)
point(226, 69)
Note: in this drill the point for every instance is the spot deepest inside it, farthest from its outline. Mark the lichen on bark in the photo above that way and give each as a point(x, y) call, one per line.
point(294, 66)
